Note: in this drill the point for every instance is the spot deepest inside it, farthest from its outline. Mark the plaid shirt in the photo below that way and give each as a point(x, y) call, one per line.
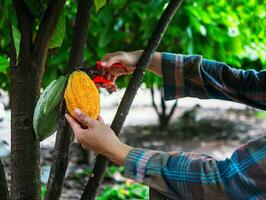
point(187, 175)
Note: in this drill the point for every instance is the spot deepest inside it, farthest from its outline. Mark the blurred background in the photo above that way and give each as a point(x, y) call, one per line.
point(228, 31)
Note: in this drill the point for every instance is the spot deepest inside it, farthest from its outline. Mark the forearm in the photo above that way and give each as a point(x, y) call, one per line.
point(199, 176)
point(197, 77)
point(156, 64)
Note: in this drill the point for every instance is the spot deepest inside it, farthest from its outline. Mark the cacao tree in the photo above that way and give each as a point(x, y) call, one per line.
point(30, 57)
point(36, 24)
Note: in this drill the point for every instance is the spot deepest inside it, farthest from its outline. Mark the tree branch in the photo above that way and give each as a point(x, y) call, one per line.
point(46, 30)
point(142, 64)
point(162, 103)
point(64, 135)
point(80, 35)
point(153, 101)
point(4, 194)
point(25, 24)
point(172, 110)
point(64, 138)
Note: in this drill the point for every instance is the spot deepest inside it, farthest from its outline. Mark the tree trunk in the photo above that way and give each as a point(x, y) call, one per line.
point(25, 172)
point(26, 77)
point(25, 87)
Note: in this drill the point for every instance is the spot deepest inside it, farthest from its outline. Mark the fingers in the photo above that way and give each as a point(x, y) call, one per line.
point(74, 125)
point(84, 119)
point(100, 119)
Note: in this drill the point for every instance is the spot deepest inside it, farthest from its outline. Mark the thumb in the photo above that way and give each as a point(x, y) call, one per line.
point(84, 119)
point(100, 119)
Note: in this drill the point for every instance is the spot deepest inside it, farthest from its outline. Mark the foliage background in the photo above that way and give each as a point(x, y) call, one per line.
point(228, 31)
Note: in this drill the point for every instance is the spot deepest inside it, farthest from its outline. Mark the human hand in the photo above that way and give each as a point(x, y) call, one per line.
point(129, 61)
point(95, 135)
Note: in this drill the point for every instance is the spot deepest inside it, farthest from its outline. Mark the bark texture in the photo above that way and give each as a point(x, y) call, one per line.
point(64, 135)
point(4, 194)
point(26, 77)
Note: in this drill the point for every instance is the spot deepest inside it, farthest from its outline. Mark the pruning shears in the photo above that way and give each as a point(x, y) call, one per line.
point(95, 73)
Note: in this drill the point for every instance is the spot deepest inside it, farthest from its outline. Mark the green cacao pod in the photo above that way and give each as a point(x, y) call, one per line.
point(45, 119)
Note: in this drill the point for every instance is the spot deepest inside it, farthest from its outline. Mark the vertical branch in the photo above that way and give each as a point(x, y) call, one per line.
point(4, 195)
point(64, 135)
point(64, 139)
point(80, 34)
point(153, 100)
point(172, 110)
point(142, 64)
point(162, 103)
point(44, 35)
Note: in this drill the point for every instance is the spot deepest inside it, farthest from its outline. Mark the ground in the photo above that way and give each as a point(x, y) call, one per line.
point(210, 126)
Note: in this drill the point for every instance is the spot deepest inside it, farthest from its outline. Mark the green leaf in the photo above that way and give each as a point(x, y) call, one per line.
point(261, 115)
point(4, 64)
point(99, 4)
point(16, 36)
point(3, 11)
point(59, 33)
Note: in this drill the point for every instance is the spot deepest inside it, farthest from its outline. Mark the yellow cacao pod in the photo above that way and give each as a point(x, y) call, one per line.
point(82, 93)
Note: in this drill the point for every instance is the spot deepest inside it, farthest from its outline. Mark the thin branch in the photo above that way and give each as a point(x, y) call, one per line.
point(25, 24)
point(142, 64)
point(153, 100)
point(80, 34)
point(162, 103)
point(4, 194)
point(64, 135)
point(64, 138)
point(172, 110)
point(46, 30)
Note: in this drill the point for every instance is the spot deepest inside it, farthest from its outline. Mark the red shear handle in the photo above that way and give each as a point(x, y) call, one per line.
point(100, 67)
point(100, 79)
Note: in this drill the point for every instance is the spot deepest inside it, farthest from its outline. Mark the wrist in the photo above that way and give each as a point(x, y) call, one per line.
point(119, 154)
point(155, 65)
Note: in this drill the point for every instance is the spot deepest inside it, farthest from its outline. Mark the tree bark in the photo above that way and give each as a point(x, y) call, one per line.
point(142, 64)
point(4, 194)
point(44, 35)
point(64, 135)
point(26, 77)
point(25, 181)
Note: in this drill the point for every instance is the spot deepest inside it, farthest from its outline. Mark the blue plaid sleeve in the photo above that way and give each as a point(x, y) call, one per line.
point(198, 176)
point(197, 77)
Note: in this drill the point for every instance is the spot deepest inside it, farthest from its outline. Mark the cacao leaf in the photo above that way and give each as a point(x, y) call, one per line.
point(99, 4)
point(16, 37)
point(59, 33)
